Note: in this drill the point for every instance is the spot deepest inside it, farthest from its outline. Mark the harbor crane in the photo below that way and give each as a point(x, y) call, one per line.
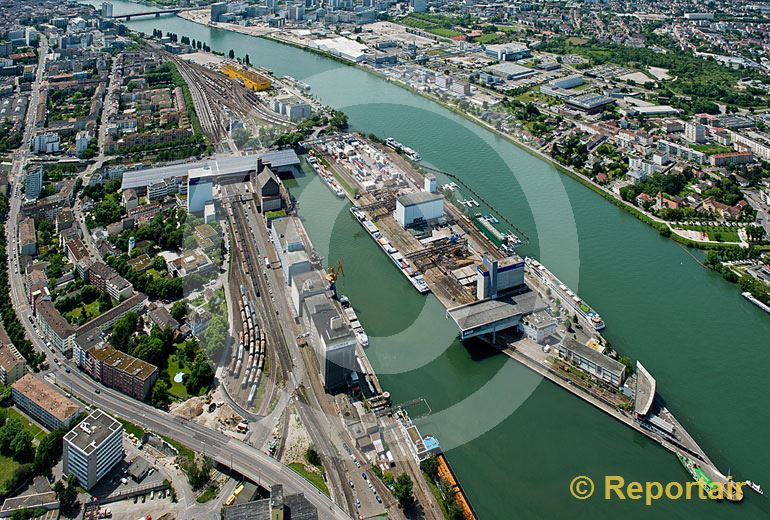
point(333, 273)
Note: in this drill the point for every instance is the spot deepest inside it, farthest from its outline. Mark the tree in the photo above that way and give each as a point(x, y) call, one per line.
point(312, 456)
point(247, 60)
point(200, 377)
point(402, 490)
point(179, 310)
point(124, 328)
point(67, 495)
point(231, 54)
point(430, 467)
point(160, 397)
point(21, 447)
point(48, 452)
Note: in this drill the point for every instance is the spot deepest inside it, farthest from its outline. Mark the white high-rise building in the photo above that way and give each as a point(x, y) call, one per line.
point(93, 448)
point(695, 133)
point(33, 183)
point(106, 10)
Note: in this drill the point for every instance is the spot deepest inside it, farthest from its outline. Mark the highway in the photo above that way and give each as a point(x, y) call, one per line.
point(229, 452)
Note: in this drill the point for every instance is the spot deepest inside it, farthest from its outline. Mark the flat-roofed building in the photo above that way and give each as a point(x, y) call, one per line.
point(333, 341)
point(538, 326)
point(418, 207)
point(287, 240)
point(590, 103)
point(93, 448)
point(42, 402)
point(593, 362)
point(121, 371)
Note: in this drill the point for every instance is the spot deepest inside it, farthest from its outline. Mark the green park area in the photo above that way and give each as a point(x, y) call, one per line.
point(716, 233)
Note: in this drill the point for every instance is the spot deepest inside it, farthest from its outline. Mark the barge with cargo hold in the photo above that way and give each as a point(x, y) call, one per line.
point(413, 275)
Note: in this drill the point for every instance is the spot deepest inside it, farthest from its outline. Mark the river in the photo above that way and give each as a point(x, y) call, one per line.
point(514, 440)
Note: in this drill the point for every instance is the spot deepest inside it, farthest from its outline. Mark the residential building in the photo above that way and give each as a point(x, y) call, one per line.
point(43, 403)
point(695, 132)
point(93, 448)
point(11, 364)
point(118, 370)
point(46, 143)
point(27, 237)
point(33, 183)
point(54, 326)
point(731, 158)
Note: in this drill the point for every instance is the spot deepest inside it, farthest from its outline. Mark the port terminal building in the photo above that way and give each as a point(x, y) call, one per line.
point(491, 316)
point(503, 299)
point(202, 175)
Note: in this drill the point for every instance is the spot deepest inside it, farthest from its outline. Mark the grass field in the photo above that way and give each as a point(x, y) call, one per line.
point(716, 233)
point(92, 311)
point(711, 149)
point(177, 389)
point(7, 469)
point(30, 425)
point(313, 477)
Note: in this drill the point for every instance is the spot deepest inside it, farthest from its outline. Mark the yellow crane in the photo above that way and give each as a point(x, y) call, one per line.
point(334, 272)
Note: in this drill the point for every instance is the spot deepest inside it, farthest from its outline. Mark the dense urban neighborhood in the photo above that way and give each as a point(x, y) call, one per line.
point(175, 341)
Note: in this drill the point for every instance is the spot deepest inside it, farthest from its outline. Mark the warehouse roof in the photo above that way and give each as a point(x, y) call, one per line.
point(418, 197)
point(229, 165)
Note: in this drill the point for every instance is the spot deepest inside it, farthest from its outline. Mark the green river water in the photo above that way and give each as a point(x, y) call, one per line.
point(514, 440)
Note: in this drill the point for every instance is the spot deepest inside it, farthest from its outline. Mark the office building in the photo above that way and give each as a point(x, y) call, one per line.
point(93, 448)
point(106, 10)
point(593, 362)
point(33, 183)
point(538, 326)
point(200, 189)
point(291, 107)
point(43, 403)
point(418, 207)
point(217, 10)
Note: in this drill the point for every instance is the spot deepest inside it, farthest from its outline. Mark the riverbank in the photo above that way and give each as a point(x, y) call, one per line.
point(367, 209)
point(663, 227)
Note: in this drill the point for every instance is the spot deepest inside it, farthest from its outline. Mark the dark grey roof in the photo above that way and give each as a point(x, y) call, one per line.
point(486, 312)
point(418, 197)
point(594, 356)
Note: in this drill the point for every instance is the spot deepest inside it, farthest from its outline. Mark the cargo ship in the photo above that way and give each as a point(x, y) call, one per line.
point(358, 329)
point(326, 176)
point(565, 294)
point(409, 152)
point(698, 475)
